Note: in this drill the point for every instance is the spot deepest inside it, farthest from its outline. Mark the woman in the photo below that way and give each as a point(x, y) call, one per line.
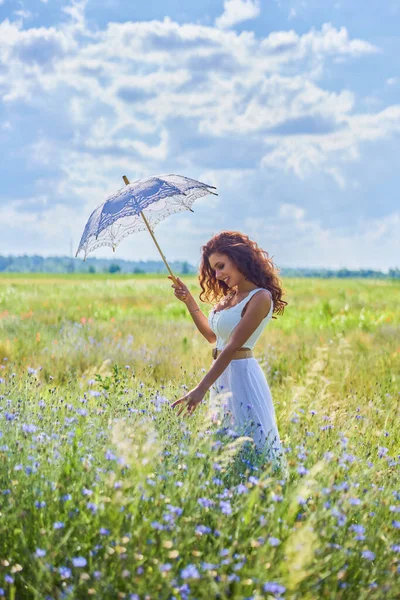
point(242, 282)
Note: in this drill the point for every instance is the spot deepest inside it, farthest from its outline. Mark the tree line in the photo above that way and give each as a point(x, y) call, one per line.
point(65, 264)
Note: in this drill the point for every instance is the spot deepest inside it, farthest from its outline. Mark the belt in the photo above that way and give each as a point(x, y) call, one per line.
point(241, 353)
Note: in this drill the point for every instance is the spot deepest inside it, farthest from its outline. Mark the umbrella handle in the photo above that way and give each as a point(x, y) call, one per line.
point(127, 182)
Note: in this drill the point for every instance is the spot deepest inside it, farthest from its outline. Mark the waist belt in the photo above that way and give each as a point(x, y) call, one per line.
point(241, 353)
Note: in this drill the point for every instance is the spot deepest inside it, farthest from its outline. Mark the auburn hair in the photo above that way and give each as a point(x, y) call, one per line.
point(251, 260)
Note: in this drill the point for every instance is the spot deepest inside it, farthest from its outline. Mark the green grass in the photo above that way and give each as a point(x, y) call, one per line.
point(95, 464)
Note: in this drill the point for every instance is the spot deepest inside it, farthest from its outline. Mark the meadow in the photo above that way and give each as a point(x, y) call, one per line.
point(106, 492)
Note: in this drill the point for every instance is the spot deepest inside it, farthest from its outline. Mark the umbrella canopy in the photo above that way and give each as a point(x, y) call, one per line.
point(122, 213)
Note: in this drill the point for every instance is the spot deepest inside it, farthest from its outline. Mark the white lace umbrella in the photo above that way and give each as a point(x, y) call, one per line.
point(122, 213)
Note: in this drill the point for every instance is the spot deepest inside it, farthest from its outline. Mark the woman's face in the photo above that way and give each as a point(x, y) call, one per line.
point(225, 270)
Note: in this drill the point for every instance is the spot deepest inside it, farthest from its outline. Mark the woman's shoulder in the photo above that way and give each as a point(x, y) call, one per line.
point(261, 293)
point(260, 299)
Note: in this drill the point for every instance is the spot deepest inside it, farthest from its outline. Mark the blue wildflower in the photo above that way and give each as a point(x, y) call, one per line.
point(273, 541)
point(190, 572)
point(65, 573)
point(274, 588)
point(225, 507)
point(79, 561)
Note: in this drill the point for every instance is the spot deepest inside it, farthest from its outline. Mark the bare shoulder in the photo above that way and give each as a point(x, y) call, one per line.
point(260, 302)
point(262, 298)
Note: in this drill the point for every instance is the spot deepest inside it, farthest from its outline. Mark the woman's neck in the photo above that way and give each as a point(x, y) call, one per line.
point(245, 287)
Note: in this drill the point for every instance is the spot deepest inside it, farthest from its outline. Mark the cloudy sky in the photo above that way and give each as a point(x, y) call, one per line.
point(290, 107)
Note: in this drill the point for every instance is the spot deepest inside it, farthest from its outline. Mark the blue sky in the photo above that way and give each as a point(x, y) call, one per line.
point(291, 108)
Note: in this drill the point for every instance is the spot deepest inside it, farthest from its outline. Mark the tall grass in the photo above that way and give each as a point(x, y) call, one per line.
point(106, 492)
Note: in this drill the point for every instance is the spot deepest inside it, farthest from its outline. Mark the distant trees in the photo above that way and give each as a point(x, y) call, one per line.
point(66, 264)
point(185, 268)
point(114, 268)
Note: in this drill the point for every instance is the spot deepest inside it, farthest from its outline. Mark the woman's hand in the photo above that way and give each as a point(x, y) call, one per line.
point(190, 401)
point(181, 291)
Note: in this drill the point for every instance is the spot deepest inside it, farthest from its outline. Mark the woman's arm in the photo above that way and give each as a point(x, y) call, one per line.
point(199, 319)
point(258, 307)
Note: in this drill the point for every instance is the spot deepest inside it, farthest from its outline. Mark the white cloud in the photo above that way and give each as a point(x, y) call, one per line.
point(156, 96)
point(305, 242)
point(236, 11)
point(305, 154)
point(291, 211)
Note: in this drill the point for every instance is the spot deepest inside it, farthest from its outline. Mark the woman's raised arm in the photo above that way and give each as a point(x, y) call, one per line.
point(200, 320)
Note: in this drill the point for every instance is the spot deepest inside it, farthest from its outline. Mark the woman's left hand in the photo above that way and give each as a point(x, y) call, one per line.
point(190, 401)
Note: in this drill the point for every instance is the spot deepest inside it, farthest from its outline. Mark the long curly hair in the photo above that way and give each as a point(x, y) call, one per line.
point(251, 260)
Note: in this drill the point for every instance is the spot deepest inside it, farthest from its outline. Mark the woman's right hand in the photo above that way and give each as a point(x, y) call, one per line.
point(181, 291)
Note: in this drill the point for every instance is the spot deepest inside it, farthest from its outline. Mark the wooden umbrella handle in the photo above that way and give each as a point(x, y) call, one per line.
point(127, 182)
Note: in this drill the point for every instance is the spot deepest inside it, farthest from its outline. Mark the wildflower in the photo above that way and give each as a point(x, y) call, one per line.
point(302, 470)
point(190, 572)
point(92, 507)
point(242, 489)
point(8, 579)
point(58, 525)
point(205, 502)
point(396, 524)
point(26, 428)
point(368, 554)
point(79, 561)
point(359, 530)
point(273, 541)
point(208, 566)
point(201, 529)
point(225, 507)
point(276, 497)
point(40, 553)
point(274, 588)
point(355, 501)
point(65, 573)
point(165, 567)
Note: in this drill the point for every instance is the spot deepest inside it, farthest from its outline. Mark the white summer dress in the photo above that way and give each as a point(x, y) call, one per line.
point(241, 397)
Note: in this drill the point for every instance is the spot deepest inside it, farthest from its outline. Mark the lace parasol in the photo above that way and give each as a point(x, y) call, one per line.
point(122, 213)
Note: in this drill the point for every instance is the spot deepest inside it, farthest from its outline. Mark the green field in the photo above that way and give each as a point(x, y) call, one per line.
point(106, 492)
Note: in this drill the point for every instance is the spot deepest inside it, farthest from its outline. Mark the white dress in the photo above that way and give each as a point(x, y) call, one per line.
point(241, 397)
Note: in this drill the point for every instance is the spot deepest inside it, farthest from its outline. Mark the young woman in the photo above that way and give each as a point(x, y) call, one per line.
point(241, 281)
